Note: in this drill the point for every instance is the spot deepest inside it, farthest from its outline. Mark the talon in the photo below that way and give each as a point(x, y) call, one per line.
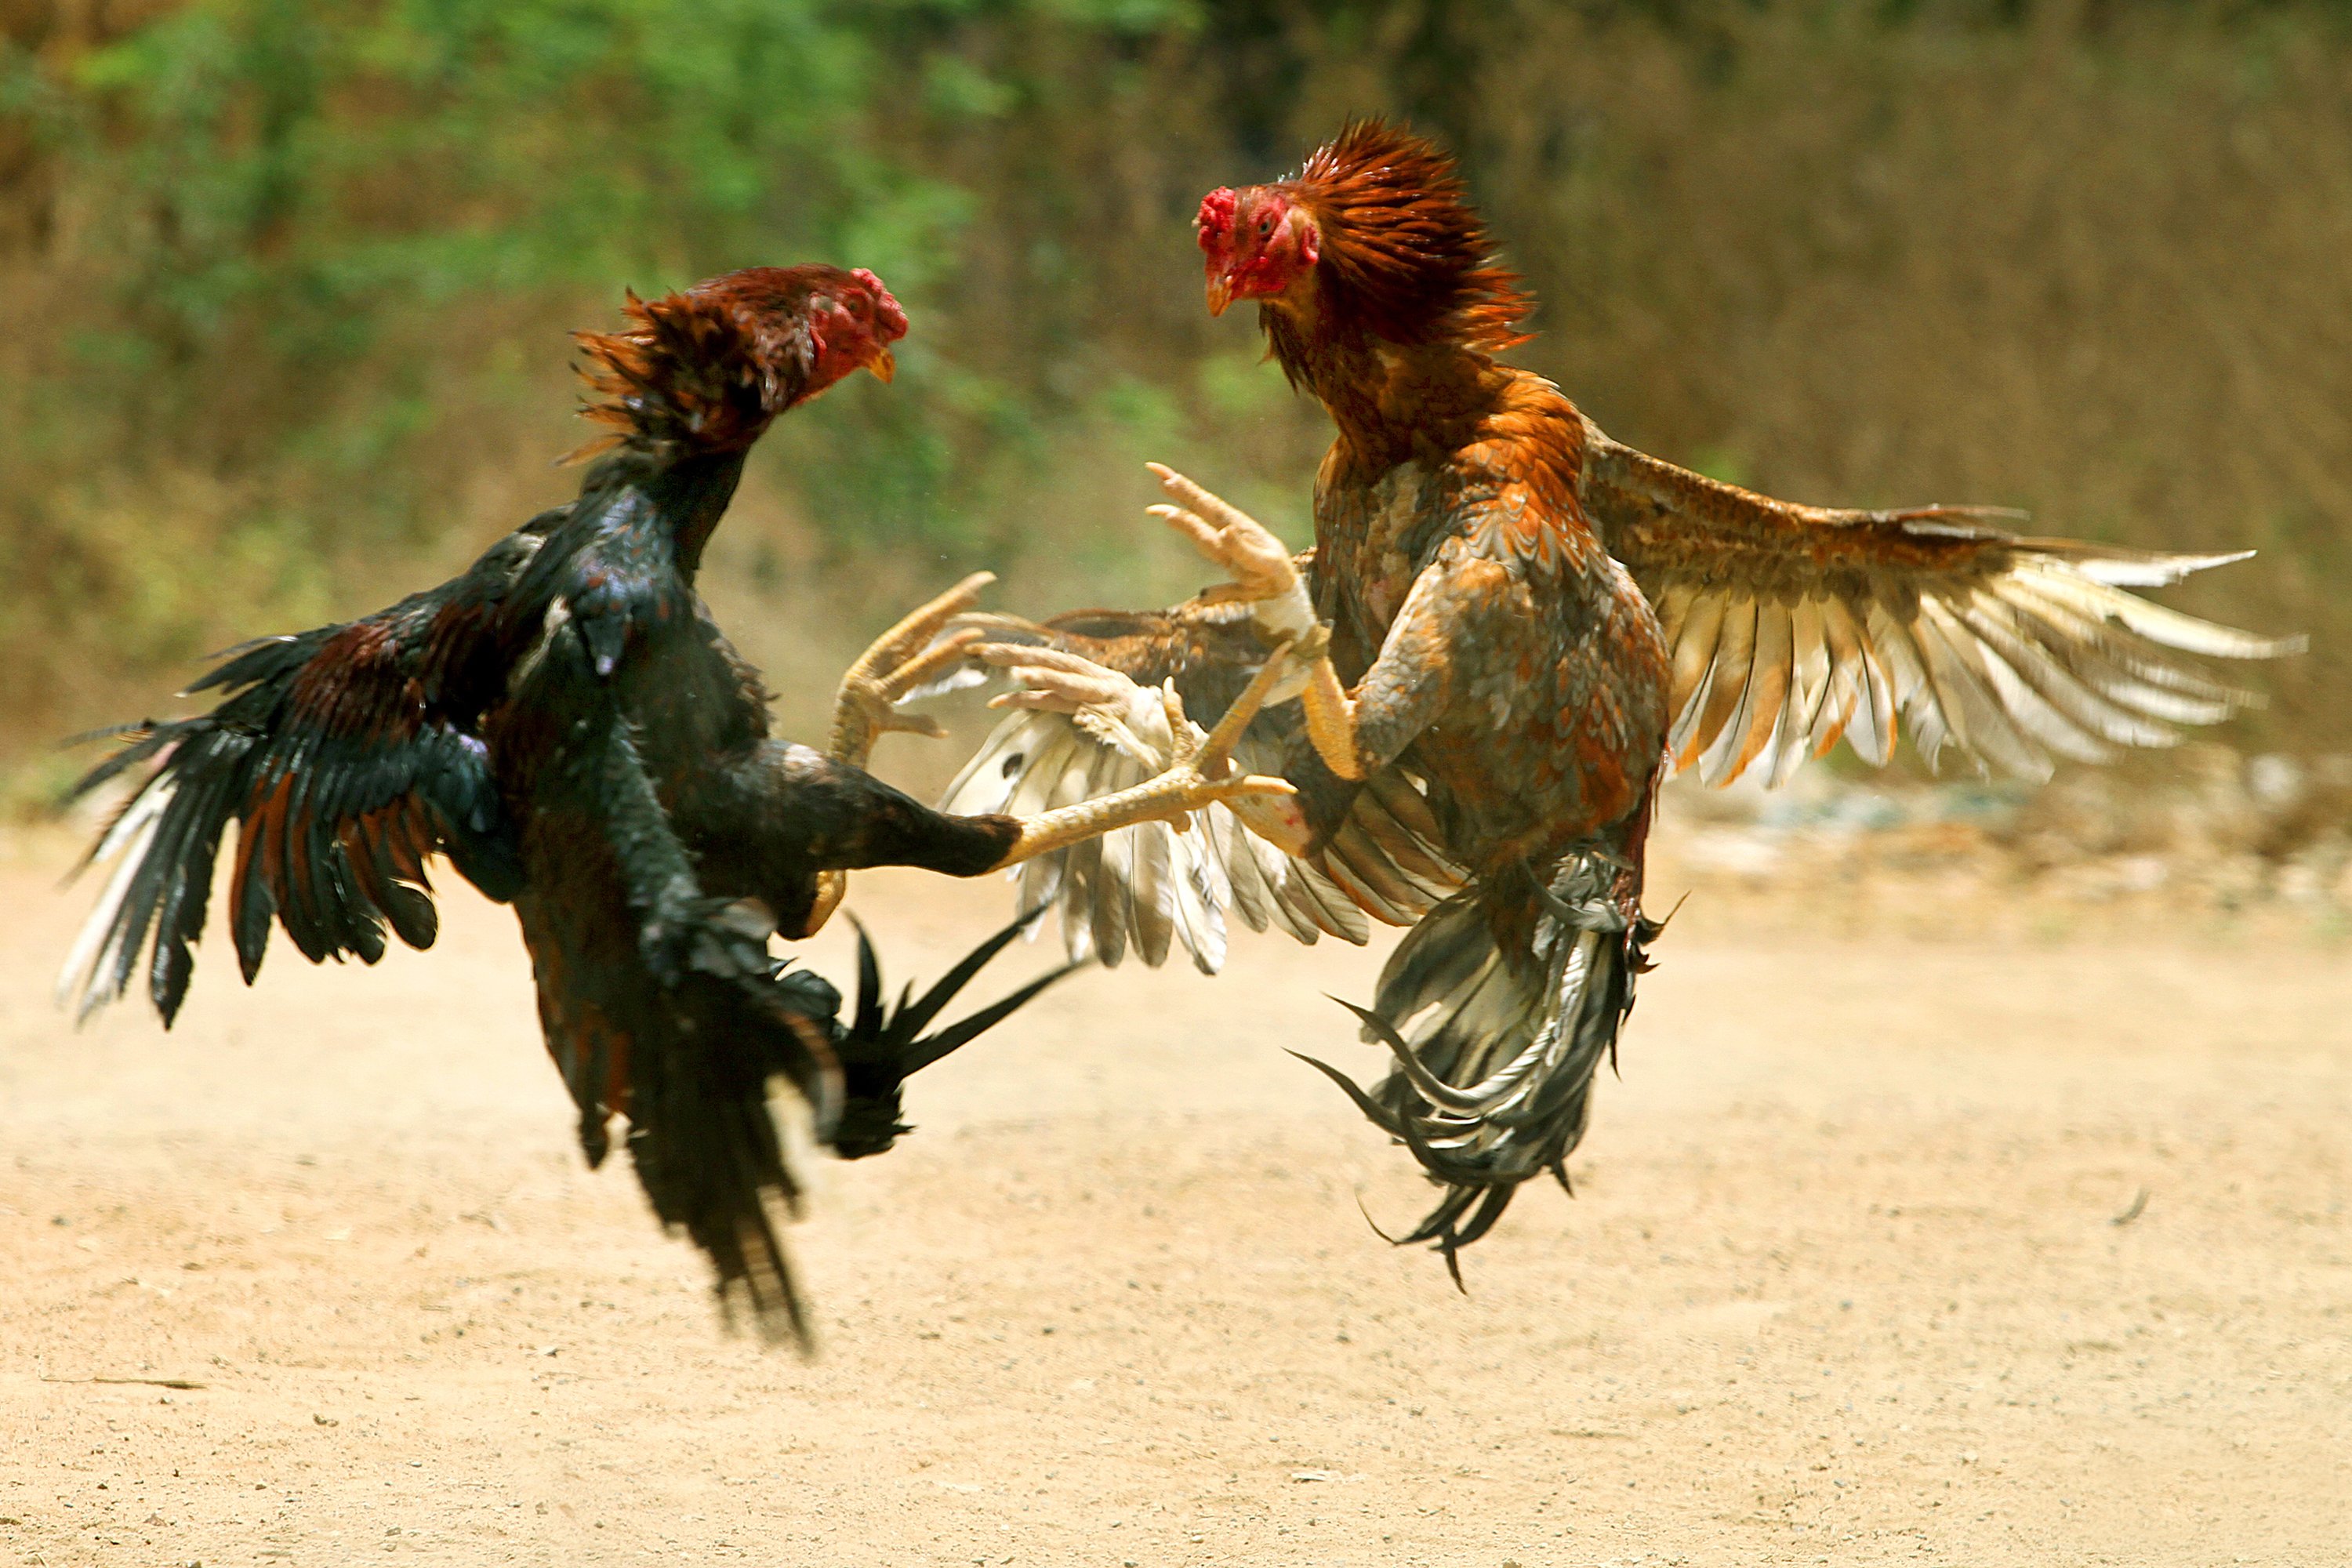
point(1260, 784)
point(1052, 679)
point(864, 705)
point(1226, 593)
point(918, 670)
point(916, 628)
point(1260, 562)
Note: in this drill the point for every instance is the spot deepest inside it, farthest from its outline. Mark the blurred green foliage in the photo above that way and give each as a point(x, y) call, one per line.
point(271, 194)
point(283, 286)
point(289, 280)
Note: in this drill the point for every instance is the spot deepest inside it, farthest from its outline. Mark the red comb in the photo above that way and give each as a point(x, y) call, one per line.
point(1214, 223)
point(887, 314)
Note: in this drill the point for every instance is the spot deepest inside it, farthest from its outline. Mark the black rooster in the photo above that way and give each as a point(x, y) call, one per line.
point(567, 726)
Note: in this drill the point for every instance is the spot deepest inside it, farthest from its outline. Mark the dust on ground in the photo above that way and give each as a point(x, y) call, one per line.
point(1914, 1229)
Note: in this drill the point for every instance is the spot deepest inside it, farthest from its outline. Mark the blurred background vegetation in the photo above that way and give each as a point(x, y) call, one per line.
point(284, 285)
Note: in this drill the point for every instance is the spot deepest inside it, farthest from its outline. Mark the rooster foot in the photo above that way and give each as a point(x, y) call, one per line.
point(899, 661)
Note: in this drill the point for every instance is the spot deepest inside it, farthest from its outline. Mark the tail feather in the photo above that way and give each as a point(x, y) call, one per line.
point(904, 1031)
point(882, 1049)
point(1497, 1035)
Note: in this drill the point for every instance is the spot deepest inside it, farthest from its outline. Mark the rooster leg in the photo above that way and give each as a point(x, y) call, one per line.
point(1266, 577)
point(789, 813)
point(1115, 712)
point(1200, 774)
point(1330, 712)
point(865, 709)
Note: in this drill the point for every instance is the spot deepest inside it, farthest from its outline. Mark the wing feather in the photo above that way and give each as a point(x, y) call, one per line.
point(1151, 874)
point(1809, 692)
point(1769, 680)
point(1695, 649)
point(2116, 672)
point(1726, 681)
point(2095, 723)
point(1112, 912)
point(1793, 627)
point(1251, 899)
point(1201, 891)
point(341, 779)
point(1972, 699)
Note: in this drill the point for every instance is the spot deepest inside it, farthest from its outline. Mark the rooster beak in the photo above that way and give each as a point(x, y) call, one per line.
point(884, 366)
point(1221, 294)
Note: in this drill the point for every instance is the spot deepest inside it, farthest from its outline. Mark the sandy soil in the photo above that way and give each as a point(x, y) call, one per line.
point(1857, 1272)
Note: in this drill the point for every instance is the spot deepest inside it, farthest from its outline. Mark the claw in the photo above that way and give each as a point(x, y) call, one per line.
point(931, 663)
point(1171, 708)
point(1189, 494)
point(1227, 535)
point(895, 663)
point(1052, 678)
point(915, 629)
point(921, 724)
point(1264, 571)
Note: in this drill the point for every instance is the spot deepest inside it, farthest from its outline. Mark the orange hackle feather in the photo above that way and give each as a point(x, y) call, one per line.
point(1403, 255)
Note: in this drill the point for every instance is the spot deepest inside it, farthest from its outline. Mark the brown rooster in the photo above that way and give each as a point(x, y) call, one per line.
point(566, 724)
point(1532, 624)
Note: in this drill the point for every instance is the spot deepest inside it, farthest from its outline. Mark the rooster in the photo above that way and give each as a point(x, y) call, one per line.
point(567, 726)
point(1509, 630)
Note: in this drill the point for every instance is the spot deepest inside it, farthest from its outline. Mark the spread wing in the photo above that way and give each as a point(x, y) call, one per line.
point(1793, 625)
point(340, 758)
point(1149, 887)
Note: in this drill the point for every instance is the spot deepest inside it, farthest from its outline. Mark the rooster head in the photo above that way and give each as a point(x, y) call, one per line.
point(802, 329)
point(852, 324)
point(708, 368)
point(1258, 244)
point(1374, 234)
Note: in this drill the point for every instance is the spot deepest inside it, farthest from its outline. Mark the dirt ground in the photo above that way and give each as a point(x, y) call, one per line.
point(1898, 1240)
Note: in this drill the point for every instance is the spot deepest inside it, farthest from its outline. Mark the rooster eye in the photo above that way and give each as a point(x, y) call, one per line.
point(1264, 226)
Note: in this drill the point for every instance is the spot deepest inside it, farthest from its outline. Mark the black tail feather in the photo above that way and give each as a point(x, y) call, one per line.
point(916, 1017)
point(703, 1141)
point(883, 1048)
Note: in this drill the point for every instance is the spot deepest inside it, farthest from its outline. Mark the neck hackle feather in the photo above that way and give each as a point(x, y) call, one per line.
point(1404, 257)
point(702, 370)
